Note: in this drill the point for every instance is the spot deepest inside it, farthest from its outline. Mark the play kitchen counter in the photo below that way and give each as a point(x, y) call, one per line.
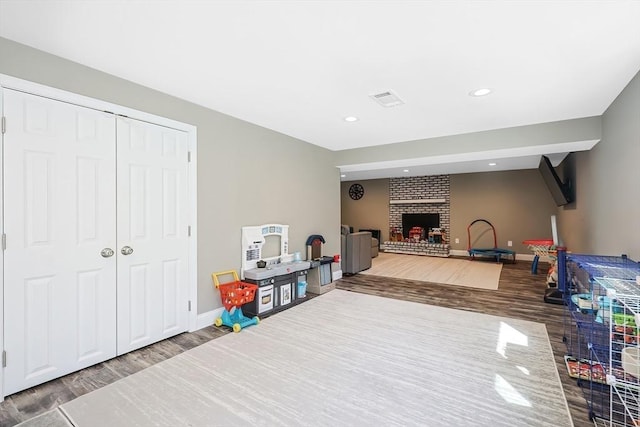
point(279, 287)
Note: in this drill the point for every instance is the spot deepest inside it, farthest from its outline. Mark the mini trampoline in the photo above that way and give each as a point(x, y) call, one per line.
point(494, 252)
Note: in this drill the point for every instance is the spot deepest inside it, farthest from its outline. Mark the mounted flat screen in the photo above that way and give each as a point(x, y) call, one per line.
point(558, 190)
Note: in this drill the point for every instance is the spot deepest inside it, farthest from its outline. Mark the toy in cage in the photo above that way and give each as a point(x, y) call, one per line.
point(585, 369)
point(552, 275)
point(233, 295)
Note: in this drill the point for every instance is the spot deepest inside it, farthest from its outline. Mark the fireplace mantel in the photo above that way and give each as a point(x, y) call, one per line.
point(408, 201)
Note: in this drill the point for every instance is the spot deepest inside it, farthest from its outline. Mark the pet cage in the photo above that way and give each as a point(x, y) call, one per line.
point(601, 298)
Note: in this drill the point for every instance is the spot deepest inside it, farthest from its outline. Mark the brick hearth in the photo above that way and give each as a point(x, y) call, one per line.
point(417, 248)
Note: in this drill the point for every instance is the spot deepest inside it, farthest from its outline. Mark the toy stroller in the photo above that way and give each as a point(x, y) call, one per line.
point(234, 295)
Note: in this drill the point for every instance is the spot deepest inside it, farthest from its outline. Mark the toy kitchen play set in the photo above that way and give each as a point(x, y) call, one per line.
point(283, 279)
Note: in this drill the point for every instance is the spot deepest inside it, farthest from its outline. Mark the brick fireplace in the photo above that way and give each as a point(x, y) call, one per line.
point(419, 195)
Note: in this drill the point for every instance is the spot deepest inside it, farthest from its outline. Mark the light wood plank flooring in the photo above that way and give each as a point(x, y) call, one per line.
point(519, 296)
point(484, 275)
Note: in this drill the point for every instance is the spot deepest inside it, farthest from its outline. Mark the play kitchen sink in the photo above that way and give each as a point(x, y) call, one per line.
point(288, 267)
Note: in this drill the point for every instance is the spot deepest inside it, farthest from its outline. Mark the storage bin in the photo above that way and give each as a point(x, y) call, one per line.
point(631, 360)
point(302, 289)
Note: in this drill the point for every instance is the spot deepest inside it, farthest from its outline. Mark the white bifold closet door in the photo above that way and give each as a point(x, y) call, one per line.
point(96, 218)
point(60, 195)
point(152, 223)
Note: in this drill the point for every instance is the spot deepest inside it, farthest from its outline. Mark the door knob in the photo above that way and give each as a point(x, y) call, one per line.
point(126, 250)
point(107, 252)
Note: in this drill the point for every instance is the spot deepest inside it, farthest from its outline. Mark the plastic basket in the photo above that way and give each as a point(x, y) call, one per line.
point(235, 293)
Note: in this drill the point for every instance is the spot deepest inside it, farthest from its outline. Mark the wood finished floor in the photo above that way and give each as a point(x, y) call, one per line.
point(32, 402)
point(519, 296)
point(481, 275)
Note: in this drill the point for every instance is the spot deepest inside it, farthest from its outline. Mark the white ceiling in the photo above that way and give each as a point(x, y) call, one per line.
point(300, 67)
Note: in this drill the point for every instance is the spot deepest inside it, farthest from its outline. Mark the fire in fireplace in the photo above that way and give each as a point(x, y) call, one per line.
point(425, 220)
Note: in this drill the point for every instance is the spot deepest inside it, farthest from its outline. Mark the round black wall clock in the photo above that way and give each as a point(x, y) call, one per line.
point(356, 191)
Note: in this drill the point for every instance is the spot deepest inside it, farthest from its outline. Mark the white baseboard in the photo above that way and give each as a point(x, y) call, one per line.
point(207, 319)
point(458, 252)
point(526, 257)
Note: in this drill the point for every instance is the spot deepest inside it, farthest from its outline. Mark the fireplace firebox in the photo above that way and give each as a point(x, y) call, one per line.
point(425, 220)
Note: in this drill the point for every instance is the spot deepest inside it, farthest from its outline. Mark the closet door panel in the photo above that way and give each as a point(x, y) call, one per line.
point(152, 222)
point(137, 307)
point(171, 282)
point(91, 313)
point(59, 190)
point(39, 307)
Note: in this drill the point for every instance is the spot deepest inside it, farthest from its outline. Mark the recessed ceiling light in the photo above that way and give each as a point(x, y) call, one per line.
point(350, 119)
point(480, 92)
point(492, 164)
point(343, 175)
point(406, 170)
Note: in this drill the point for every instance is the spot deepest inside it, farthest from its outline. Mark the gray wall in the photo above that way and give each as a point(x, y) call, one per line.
point(247, 175)
point(606, 217)
point(517, 203)
point(371, 211)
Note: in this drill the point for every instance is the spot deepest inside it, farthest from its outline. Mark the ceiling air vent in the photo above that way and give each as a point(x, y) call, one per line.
point(387, 99)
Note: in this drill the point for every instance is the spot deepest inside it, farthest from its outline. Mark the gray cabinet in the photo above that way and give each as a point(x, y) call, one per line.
point(319, 279)
point(356, 252)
